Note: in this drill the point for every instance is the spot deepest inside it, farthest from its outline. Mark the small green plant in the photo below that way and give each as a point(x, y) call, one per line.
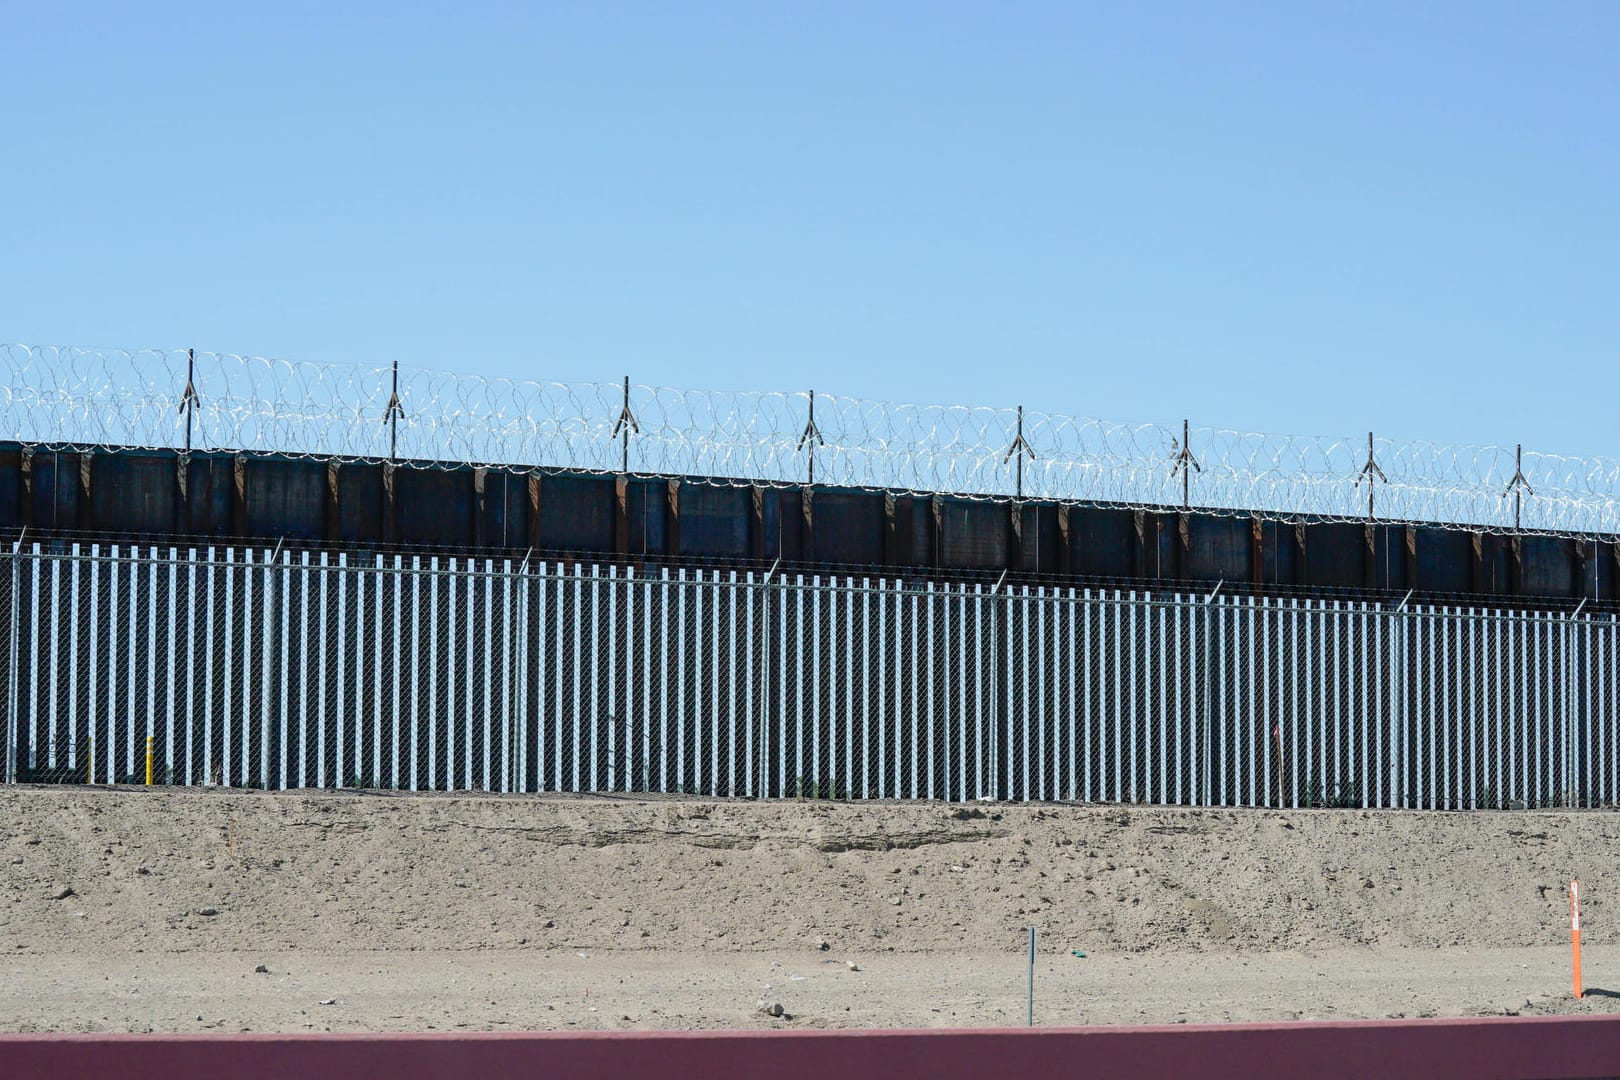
point(805, 788)
point(1332, 796)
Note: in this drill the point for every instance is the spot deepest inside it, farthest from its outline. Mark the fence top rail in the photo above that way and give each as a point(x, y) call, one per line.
point(69, 398)
point(200, 558)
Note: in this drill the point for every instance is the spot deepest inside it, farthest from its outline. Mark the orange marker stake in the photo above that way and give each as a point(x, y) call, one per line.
point(1575, 931)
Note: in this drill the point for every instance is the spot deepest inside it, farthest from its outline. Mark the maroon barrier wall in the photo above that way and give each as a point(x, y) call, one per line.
point(1549, 1048)
point(115, 495)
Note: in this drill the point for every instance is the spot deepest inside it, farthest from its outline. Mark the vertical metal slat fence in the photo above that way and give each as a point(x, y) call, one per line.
point(274, 669)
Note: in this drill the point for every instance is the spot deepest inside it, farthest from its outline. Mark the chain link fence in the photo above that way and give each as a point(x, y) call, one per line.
point(283, 669)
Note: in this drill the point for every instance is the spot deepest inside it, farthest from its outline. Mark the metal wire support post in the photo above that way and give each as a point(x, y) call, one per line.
point(811, 431)
point(1029, 1015)
point(392, 415)
point(1019, 448)
point(1370, 472)
point(189, 400)
point(1185, 465)
point(1518, 487)
point(624, 426)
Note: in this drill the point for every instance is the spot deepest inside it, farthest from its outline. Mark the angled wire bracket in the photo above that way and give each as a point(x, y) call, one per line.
point(1185, 464)
point(625, 426)
point(1020, 449)
point(1369, 473)
point(627, 418)
point(1518, 487)
point(811, 432)
point(189, 400)
point(395, 410)
point(392, 415)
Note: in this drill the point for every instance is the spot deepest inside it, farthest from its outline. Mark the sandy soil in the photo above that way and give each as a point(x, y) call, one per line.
point(151, 910)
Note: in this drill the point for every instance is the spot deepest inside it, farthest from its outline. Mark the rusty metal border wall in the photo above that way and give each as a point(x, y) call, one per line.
point(116, 494)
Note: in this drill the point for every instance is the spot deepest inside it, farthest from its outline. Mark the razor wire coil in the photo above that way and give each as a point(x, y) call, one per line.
point(69, 398)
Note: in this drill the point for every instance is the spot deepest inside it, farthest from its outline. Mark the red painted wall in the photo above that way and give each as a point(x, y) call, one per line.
point(1549, 1048)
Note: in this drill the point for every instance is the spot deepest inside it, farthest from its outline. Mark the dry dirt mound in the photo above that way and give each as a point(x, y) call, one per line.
point(186, 870)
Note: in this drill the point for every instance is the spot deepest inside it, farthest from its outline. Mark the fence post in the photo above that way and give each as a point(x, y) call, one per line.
point(1397, 719)
point(12, 673)
point(765, 689)
point(990, 737)
point(1206, 740)
point(1571, 698)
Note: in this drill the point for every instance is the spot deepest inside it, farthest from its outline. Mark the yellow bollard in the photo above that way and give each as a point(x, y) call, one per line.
point(149, 760)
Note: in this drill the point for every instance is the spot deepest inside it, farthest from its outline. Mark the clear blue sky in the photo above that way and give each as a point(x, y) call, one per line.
point(1310, 217)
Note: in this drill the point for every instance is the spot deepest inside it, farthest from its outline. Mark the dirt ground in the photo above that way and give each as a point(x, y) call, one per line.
point(153, 910)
